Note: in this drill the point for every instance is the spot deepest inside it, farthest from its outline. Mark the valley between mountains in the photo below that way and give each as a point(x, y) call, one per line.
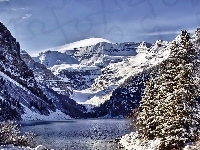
point(91, 78)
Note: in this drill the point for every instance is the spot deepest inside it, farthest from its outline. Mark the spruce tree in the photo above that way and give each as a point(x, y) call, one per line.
point(145, 120)
point(174, 110)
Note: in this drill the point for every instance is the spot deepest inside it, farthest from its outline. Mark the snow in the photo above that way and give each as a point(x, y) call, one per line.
point(122, 70)
point(51, 58)
point(73, 67)
point(12, 81)
point(88, 97)
point(123, 59)
point(71, 46)
point(105, 83)
point(54, 116)
point(81, 96)
point(81, 43)
point(98, 98)
point(131, 142)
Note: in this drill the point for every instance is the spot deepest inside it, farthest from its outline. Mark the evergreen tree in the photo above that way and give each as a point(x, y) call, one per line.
point(146, 118)
point(169, 110)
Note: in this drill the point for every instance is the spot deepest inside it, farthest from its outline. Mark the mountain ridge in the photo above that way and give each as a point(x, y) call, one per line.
point(105, 79)
point(20, 93)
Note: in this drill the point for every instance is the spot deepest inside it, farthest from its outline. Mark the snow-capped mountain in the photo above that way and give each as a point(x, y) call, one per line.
point(108, 78)
point(101, 68)
point(21, 96)
point(51, 58)
point(44, 76)
point(104, 72)
point(115, 73)
point(18, 81)
point(79, 44)
point(128, 95)
point(66, 54)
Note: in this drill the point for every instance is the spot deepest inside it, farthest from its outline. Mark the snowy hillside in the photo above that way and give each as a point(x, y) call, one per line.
point(102, 68)
point(51, 58)
point(115, 74)
point(45, 76)
point(128, 95)
point(20, 93)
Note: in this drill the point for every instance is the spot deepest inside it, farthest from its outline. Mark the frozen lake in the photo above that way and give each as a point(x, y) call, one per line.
point(81, 134)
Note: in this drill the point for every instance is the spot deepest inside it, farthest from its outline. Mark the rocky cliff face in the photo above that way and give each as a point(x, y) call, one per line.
point(45, 77)
point(99, 54)
point(94, 62)
point(20, 93)
point(12, 65)
point(51, 58)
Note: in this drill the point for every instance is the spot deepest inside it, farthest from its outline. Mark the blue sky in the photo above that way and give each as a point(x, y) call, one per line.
point(42, 24)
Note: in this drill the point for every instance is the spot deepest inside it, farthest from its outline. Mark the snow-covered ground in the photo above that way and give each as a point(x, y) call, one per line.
point(54, 116)
point(131, 142)
point(71, 67)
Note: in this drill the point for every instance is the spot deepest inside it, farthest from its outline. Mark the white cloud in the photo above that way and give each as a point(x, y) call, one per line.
point(168, 32)
point(162, 33)
point(26, 16)
point(4, 0)
point(17, 9)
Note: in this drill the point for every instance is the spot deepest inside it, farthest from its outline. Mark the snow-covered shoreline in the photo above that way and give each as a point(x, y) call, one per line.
point(131, 142)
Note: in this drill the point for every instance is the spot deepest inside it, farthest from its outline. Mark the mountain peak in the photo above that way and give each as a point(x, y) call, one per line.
point(79, 44)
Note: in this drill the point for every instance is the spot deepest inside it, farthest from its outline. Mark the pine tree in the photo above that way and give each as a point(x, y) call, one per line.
point(172, 111)
point(146, 118)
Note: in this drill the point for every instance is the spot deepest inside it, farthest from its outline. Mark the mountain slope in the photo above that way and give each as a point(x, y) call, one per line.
point(21, 96)
point(13, 66)
point(44, 76)
point(128, 95)
point(51, 58)
point(105, 71)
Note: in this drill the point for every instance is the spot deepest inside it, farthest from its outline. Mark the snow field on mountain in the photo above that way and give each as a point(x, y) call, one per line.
point(102, 88)
point(74, 67)
point(113, 63)
point(54, 116)
point(81, 96)
point(29, 114)
point(122, 70)
point(79, 44)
